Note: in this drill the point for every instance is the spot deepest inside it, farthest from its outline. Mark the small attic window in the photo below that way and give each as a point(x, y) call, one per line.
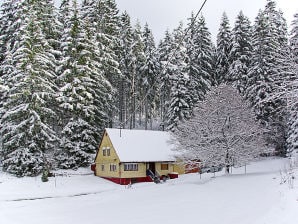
point(106, 151)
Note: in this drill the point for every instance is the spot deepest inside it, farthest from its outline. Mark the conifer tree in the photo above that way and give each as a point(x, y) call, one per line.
point(8, 25)
point(223, 49)
point(139, 65)
point(165, 53)
point(102, 19)
point(181, 101)
point(149, 73)
point(265, 76)
point(27, 135)
point(127, 67)
point(199, 51)
point(76, 91)
point(292, 88)
point(241, 51)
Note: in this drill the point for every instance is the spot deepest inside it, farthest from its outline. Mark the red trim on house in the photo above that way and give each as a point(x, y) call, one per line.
point(126, 181)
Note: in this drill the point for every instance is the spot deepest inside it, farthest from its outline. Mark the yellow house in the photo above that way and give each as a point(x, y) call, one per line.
point(129, 156)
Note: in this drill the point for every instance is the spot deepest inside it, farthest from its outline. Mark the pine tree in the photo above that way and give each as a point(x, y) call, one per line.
point(259, 83)
point(77, 87)
point(241, 50)
point(165, 52)
point(102, 19)
point(27, 134)
point(127, 67)
point(51, 27)
point(149, 72)
point(8, 25)
point(139, 61)
point(292, 88)
point(223, 49)
point(199, 58)
point(269, 44)
point(181, 101)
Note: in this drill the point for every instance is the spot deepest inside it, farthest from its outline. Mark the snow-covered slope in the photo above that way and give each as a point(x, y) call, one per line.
point(253, 198)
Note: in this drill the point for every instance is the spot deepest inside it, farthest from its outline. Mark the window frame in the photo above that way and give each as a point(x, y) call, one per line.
point(106, 151)
point(131, 167)
point(164, 166)
point(113, 167)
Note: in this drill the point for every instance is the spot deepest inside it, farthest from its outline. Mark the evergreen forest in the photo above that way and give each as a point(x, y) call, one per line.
point(68, 72)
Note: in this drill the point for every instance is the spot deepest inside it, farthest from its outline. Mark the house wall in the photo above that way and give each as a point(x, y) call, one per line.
point(133, 174)
point(179, 168)
point(106, 160)
point(164, 172)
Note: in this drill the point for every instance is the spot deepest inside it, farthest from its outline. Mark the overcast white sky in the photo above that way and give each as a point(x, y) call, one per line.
point(164, 14)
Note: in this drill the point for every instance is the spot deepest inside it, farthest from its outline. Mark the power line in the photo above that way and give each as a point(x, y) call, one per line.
point(166, 65)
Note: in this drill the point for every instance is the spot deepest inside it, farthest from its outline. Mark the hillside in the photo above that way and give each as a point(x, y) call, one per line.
point(79, 197)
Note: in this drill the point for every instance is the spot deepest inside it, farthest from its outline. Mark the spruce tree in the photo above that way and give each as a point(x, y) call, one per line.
point(181, 101)
point(223, 50)
point(241, 50)
point(127, 68)
point(77, 88)
point(138, 70)
point(149, 72)
point(8, 25)
point(264, 76)
point(27, 135)
point(199, 51)
point(292, 89)
point(102, 19)
point(165, 52)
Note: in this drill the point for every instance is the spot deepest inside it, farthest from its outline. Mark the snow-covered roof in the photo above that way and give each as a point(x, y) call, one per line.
point(142, 145)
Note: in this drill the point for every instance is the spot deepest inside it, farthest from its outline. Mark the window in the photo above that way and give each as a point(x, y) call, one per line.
point(106, 151)
point(102, 167)
point(164, 166)
point(131, 167)
point(113, 167)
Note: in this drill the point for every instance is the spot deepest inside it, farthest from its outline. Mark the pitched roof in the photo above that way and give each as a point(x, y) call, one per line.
point(142, 145)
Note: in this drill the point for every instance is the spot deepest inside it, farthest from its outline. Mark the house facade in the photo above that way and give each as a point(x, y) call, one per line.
point(131, 156)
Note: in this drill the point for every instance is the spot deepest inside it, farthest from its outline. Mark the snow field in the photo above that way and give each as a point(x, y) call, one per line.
point(253, 198)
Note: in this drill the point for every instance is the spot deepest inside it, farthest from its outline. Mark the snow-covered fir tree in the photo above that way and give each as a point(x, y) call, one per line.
point(102, 19)
point(77, 91)
point(139, 65)
point(181, 101)
point(268, 40)
point(292, 89)
point(165, 53)
point(8, 25)
point(28, 137)
point(127, 68)
point(223, 48)
point(241, 50)
point(222, 132)
point(148, 85)
point(199, 58)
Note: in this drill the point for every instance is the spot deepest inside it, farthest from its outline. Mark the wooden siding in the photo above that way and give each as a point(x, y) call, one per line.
point(112, 159)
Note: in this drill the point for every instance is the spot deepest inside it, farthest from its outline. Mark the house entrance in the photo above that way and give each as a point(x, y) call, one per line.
point(152, 167)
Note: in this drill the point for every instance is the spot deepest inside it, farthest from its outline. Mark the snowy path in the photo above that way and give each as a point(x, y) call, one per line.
point(253, 198)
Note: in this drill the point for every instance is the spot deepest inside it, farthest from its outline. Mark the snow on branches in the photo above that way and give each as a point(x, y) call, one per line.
point(223, 131)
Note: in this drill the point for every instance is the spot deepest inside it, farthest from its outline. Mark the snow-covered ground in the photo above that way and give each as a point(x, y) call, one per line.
point(79, 197)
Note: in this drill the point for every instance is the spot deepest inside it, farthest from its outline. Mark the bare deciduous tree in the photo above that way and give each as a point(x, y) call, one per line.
point(223, 131)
